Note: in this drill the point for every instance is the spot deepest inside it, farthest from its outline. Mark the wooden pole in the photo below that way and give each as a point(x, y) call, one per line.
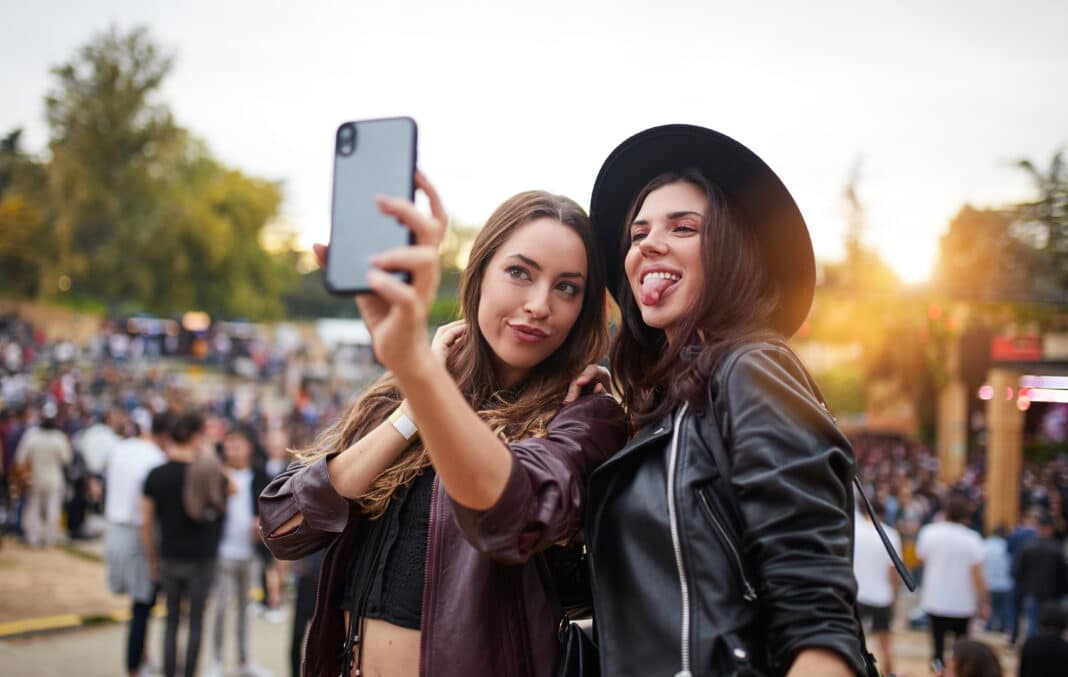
point(1004, 450)
point(952, 431)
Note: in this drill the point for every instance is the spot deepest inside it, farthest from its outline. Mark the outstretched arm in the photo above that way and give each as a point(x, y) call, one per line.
point(472, 463)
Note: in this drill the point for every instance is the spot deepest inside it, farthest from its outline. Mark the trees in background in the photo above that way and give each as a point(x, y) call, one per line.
point(26, 238)
point(1015, 253)
point(130, 208)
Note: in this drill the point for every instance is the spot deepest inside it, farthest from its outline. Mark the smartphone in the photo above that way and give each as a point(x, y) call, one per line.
point(371, 157)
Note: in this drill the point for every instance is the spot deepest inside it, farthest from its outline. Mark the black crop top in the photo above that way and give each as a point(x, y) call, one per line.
point(396, 592)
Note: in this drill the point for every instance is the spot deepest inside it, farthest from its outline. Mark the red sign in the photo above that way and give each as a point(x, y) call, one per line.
point(1016, 348)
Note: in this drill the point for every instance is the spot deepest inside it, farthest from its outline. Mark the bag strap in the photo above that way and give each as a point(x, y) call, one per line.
point(902, 570)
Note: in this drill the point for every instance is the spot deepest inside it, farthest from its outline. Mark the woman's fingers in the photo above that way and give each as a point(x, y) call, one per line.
point(320, 254)
point(392, 291)
point(593, 373)
point(437, 208)
point(420, 261)
point(426, 231)
point(446, 339)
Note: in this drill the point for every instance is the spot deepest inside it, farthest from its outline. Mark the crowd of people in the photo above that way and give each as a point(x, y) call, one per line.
point(84, 427)
point(1012, 579)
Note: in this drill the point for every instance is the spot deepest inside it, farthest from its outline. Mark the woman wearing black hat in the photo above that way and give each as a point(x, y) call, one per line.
point(721, 535)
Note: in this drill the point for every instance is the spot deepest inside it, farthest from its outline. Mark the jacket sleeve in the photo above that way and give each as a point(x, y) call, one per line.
point(791, 473)
point(543, 499)
point(304, 489)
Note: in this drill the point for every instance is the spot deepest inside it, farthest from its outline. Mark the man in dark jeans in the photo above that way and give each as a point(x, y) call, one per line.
point(184, 563)
point(1040, 572)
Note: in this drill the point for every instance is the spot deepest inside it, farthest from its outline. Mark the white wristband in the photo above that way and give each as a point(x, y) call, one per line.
point(404, 425)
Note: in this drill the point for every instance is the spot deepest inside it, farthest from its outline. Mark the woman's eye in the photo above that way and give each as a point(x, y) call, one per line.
point(686, 227)
point(517, 273)
point(569, 288)
point(637, 236)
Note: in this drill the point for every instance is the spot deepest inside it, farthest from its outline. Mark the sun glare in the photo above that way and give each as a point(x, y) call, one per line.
point(912, 260)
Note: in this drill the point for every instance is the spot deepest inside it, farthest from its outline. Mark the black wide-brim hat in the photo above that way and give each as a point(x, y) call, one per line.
point(765, 205)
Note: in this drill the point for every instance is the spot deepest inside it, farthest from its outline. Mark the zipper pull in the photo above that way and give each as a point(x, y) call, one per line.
point(750, 594)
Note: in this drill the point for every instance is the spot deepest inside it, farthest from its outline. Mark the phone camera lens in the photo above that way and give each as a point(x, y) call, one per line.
point(346, 132)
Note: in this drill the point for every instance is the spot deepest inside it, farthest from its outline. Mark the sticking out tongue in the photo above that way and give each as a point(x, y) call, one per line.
point(652, 288)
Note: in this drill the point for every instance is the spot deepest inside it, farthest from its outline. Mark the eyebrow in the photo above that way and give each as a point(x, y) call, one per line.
point(534, 264)
point(671, 217)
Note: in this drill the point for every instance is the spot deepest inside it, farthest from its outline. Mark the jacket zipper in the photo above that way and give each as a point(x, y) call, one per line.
point(424, 644)
point(673, 516)
point(749, 593)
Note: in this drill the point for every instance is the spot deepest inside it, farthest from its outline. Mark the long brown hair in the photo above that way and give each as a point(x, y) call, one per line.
point(735, 304)
point(524, 411)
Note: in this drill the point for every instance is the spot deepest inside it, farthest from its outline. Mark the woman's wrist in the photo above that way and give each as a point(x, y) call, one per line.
point(420, 365)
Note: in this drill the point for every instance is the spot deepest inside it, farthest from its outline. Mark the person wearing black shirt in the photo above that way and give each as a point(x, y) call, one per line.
point(1040, 572)
point(184, 562)
point(1046, 654)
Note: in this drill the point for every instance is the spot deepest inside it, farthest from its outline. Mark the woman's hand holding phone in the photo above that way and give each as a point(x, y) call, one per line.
point(396, 314)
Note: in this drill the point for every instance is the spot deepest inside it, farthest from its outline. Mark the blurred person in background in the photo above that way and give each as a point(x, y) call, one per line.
point(238, 548)
point(46, 451)
point(17, 477)
point(972, 659)
point(877, 580)
point(1045, 653)
point(124, 551)
point(185, 560)
point(912, 514)
point(1040, 572)
point(997, 568)
point(1024, 532)
point(953, 589)
point(93, 449)
point(306, 572)
point(275, 571)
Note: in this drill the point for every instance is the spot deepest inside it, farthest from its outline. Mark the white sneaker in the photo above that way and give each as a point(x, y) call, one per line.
point(215, 669)
point(274, 616)
point(251, 669)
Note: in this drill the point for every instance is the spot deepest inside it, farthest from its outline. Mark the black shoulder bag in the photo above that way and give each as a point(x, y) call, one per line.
point(568, 567)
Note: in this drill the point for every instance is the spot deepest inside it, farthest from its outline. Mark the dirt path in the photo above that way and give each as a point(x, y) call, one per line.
point(38, 582)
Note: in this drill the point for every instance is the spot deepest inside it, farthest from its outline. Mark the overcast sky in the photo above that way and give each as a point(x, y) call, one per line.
point(934, 99)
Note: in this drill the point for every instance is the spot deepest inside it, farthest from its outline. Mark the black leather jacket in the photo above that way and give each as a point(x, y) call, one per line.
point(680, 586)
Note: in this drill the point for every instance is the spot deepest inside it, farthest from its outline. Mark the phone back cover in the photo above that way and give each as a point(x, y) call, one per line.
point(382, 163)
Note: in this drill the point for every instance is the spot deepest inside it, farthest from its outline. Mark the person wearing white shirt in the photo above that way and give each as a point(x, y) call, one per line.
point(46, 450)
point(954, 588)
point(876, 581)
point(128, 571)
point(237, 551)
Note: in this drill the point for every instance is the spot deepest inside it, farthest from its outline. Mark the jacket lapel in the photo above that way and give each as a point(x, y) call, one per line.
point(646, 436)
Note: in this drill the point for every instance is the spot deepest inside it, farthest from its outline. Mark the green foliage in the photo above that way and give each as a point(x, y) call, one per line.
point(844, 388)
point(131, 209)
point(1018, 253)
point(26, 243)
point(309, 299)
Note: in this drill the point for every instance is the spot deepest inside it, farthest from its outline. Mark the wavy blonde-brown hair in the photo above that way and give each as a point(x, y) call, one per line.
point(524, 411)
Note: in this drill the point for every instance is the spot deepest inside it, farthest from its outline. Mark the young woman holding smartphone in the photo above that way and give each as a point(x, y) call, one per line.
point(436, 491)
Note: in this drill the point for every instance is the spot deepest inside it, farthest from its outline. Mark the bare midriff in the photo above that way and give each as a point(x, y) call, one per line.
point(388, 650)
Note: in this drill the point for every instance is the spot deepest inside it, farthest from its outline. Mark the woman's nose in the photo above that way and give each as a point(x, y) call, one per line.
point(653, 243)
point(537, 303)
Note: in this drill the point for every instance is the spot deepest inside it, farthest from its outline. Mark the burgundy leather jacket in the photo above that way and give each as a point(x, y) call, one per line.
point(486, 608)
